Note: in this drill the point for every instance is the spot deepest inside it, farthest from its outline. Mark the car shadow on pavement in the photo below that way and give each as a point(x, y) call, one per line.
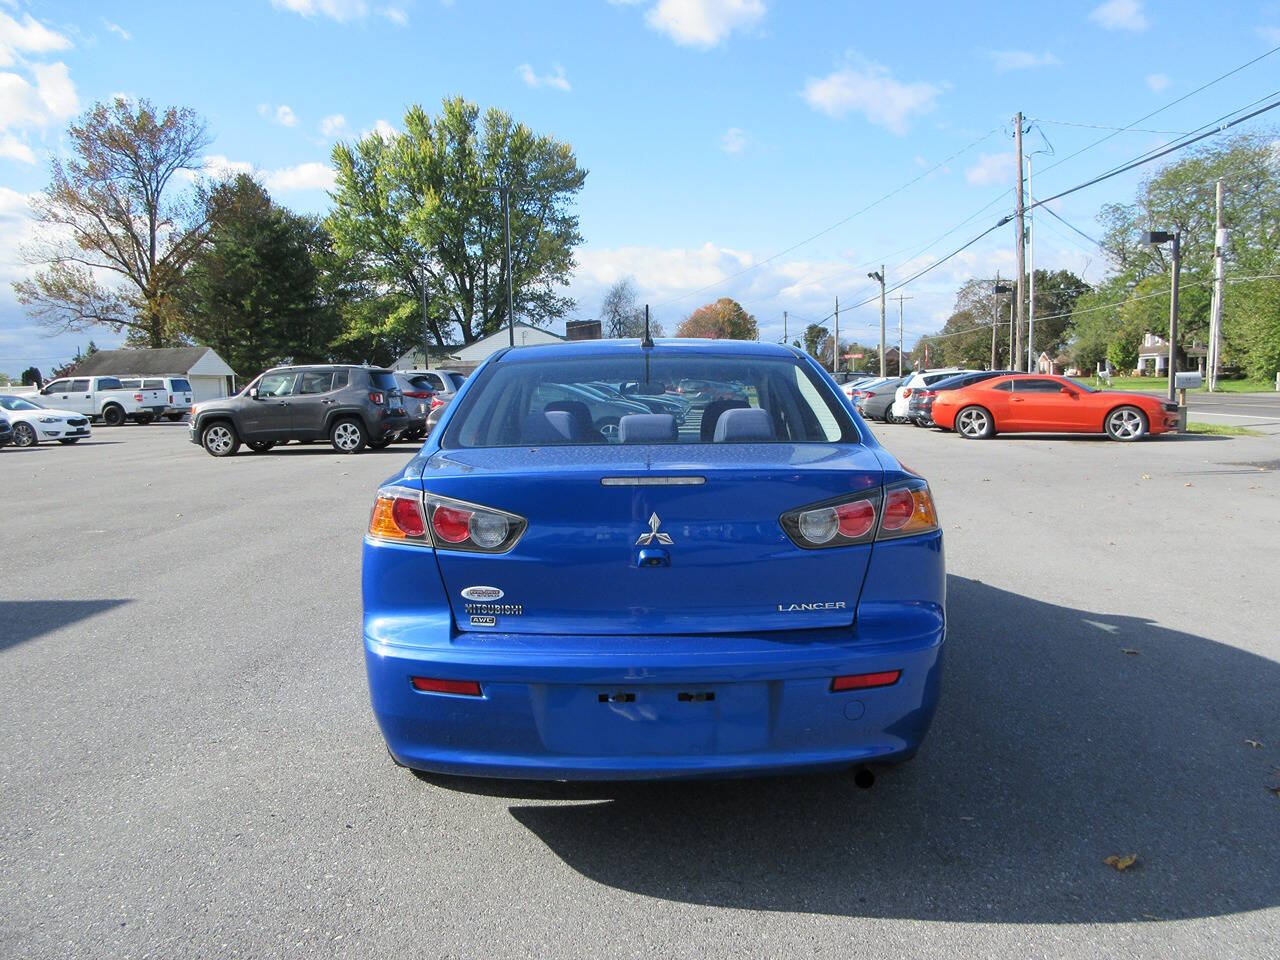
point(1064, 736)
point(23, 620)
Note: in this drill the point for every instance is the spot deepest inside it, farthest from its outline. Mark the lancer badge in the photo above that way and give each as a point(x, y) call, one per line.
point(653, 536)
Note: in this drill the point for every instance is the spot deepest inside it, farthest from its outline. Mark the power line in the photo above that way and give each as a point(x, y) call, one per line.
point(1072, 226)
point(838, 223)
point(1098, 126)
point(1147, 158)
point(1172, 103)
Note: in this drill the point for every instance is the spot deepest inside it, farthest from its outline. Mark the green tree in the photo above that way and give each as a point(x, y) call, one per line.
point(117, 234)
point(816, 337)
point(253, 293)
point(423, 208)
point(1180, 197)
point(723, 320)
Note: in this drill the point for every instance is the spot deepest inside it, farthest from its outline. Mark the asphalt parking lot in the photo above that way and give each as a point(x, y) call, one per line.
point(189, 768)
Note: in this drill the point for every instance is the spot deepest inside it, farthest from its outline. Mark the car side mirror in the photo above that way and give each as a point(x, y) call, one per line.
point(1068, 391)
point(254, 394)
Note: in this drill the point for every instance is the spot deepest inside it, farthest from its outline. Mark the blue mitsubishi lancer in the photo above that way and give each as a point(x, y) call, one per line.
point(621, 559)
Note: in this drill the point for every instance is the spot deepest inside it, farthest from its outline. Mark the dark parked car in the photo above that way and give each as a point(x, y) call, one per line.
point(920, 409)
point(351, 407)
point(874, 401)
point(6, 432)
point(418, 394)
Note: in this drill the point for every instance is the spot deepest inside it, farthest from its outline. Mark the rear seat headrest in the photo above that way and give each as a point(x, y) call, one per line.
point(647, 428)
point(744, 426)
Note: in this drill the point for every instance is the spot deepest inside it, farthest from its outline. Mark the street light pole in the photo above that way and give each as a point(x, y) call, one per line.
point(879, 275)
point(506, 226)
point(1154, 238)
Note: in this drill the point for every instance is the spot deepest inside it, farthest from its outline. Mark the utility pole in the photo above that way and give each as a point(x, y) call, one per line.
point(1173, 316)
point(1031, 274)
point(900, 298)
point(784, 329)
point(506, 223)
point(1015, 353)
point(1215, 319)
point(835, 346)
point(880, 276)
point(426, 335)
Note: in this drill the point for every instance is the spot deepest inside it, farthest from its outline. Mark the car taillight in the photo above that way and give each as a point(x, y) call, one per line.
point(419, 394)
point(927, 394)
point(456, 525)
point(377, 396)
point(401, 515)
point(171, 398)
point(906, 391)
point(903, 509)
point(398, 516)
point(437, 402)
point(138, 397)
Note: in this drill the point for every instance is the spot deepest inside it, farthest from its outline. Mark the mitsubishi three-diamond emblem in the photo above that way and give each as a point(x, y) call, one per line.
point(653, 536)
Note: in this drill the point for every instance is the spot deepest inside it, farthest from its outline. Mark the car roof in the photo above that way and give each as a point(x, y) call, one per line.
point(663, 347)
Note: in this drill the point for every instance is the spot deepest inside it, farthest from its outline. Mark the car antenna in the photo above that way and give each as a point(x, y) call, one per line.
point(648, 340)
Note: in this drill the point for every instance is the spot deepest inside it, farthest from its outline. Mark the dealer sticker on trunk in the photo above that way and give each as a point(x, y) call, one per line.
point(481, 593)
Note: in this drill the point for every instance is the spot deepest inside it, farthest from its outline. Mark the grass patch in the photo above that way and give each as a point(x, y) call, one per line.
point(1223, 430)
point(1161, 385)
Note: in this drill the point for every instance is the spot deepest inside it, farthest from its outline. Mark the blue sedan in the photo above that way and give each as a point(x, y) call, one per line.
point(757, 589)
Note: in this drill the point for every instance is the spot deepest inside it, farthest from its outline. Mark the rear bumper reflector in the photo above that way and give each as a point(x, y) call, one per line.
point(465, 688)
point(865, 681)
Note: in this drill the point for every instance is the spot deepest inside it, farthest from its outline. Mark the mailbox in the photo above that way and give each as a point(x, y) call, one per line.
point(1188, 380)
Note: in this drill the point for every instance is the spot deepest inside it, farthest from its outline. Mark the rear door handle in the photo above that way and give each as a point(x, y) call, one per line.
point(328, 401)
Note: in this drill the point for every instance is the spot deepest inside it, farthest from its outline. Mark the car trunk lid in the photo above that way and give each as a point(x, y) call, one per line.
point(653, 540)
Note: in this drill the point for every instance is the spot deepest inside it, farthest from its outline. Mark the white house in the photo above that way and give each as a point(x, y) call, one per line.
point(208, 373)
point(1153, 355)
point(475, 353)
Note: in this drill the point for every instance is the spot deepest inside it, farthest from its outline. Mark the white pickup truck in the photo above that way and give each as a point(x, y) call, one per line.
point(105, 399)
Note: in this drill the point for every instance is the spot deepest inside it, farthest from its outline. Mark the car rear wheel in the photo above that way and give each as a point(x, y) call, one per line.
point(974, 423)
point(259, 446)
point(1126, 424)
point(113, 415)
point(220, 439)
point(24, 435)
point(348, 436)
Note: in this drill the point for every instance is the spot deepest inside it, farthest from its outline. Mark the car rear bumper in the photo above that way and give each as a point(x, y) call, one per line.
point(612, 708)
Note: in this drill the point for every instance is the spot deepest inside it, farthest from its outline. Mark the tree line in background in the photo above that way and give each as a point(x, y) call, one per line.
point(136, 240)
point(1104, 324)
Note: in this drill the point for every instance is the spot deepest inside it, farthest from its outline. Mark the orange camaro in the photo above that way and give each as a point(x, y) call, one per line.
point(1035, 403)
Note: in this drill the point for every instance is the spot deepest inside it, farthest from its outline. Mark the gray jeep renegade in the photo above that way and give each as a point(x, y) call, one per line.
point(352, 407)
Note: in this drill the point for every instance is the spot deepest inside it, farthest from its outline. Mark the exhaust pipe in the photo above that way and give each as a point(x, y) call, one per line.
point(864, 778)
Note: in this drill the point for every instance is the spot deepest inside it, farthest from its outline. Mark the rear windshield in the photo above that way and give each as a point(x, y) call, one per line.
point(456, 379)
point(181, 386)
point(684, 399)
point(383, 379)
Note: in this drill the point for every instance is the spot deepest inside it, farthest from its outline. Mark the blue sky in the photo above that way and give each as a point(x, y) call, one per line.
point(717, 133)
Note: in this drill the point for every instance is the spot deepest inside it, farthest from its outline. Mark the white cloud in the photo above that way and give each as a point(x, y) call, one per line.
point(734, 140)
point(1271, 35)
point(312, 175)
point(992, 168)
point(282, 114)
point(383, 129)
point(1007, 60)
point(556, 79)
point(303, 176)
point(396, 15)
point(118, 30)
point(703, 23)
point(340, 10)
point(15, 149)
point(333, 125)
point(1120, 15)
point(1157, 81)
point(52, 98)
point(27, 36)
point(873, 92)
